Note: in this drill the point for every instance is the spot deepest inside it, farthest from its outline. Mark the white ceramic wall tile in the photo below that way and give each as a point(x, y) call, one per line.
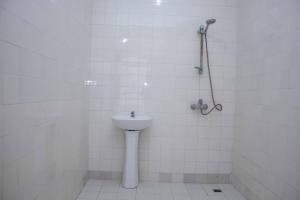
point(142, 57)
point(267, 118)
point(44, 58)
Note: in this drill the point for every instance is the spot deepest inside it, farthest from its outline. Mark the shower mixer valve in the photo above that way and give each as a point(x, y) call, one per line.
point(199, 106)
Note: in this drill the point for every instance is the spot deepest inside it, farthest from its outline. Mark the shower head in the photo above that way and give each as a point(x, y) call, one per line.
point(210, 21)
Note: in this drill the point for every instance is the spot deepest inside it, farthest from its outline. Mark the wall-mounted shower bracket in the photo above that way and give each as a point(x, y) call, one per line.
point(201, 30)
point(200, 69)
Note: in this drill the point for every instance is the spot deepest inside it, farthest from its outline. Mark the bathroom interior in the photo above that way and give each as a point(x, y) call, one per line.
point(149, 100)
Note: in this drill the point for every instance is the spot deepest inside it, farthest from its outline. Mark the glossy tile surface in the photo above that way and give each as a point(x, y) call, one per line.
point(111, 190)
point(143, 56)
point(267, 138)
point(44, 49)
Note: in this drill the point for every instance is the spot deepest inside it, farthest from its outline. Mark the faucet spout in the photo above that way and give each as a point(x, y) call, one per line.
point(132, 114)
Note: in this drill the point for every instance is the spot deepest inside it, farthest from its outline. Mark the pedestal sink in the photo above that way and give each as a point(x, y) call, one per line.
point(132, 125)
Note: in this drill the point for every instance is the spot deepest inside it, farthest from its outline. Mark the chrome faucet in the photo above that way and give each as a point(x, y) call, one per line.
point(132, 114)
point(199, 106)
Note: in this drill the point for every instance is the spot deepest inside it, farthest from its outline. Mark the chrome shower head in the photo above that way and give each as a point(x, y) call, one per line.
point(210, 21)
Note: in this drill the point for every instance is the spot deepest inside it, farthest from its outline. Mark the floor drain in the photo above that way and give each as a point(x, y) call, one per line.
point(217, 190)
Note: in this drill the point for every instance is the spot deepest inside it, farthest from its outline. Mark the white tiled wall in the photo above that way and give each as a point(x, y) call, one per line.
point(267, 142)
point(44, 52)
point(143, 57)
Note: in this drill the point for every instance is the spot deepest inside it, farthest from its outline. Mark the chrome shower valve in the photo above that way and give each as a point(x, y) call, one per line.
point(199, 106)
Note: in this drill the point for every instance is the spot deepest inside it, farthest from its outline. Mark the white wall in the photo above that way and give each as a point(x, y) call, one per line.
point(44, 52)
point(267, 142)
point(162, 50)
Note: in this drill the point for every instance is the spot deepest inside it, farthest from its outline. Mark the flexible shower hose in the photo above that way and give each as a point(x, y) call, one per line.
point(218, 107)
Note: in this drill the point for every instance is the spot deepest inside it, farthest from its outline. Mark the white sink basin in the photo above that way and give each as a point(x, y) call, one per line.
point(132, 127)
point(136, 123)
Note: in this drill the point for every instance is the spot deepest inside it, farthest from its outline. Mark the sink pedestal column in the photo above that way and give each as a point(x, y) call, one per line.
point(130, 172)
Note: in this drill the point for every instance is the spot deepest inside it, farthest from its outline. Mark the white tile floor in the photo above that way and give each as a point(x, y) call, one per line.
point(112, 190)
